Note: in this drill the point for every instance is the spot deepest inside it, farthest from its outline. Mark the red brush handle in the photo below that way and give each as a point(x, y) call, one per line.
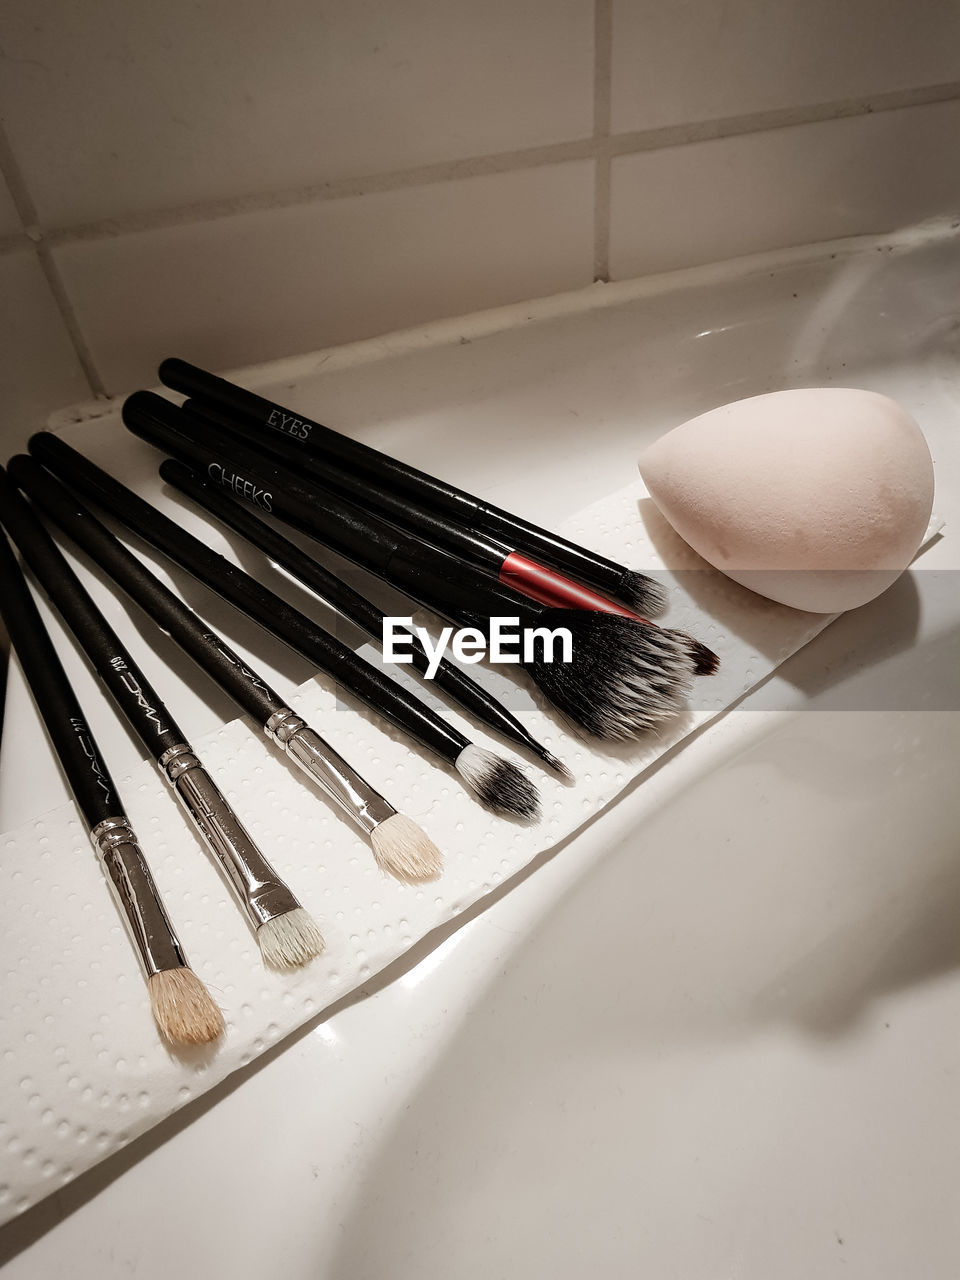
point(553, 589)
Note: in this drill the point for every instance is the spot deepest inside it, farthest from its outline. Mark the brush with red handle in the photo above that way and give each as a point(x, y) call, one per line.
point(522, 555)
point(475, 547)
point(624, 675)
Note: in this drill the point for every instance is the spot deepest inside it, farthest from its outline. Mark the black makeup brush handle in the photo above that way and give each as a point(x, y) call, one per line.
point(215, 500)
point(232, 465)
point(303, 435)
point(440, 582)
point(191, 633)
point(274, 614)
point(340, 524)
point(123, 678)
point(402, 510)
point(349, 602)
point(86, 774)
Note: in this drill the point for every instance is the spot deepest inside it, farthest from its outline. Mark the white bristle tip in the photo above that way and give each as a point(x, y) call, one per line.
point(647, 596)
point(183, 1008)
point(499, 784)
point(290, 940)
point(405, 850)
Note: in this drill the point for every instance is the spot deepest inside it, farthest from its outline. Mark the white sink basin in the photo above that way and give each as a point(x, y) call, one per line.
point(717, 1034)
point(730, 1049)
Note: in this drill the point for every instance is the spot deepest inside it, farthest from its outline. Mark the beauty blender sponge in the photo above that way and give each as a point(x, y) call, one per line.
point(817, 498)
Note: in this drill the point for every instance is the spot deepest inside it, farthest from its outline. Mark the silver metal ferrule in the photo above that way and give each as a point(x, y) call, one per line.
point(258, 888)
point(318, 759)
point(137, 896)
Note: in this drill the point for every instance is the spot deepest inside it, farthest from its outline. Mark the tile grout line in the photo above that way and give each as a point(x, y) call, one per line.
point(22, 202)
point(675, 135)
point(33, 237)
point(336, 189)
point(69, 317)
point(626, 143)
point(602, 74)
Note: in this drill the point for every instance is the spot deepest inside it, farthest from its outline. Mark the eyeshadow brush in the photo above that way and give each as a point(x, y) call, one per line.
point(214, 500)
point(497, 783)
point(300, 438)
point(182, 1007)
point(399, 845)
point(286, 933)
point(625, 675)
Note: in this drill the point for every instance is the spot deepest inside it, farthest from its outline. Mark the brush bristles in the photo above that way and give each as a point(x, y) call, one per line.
point(183, 1008)
point(498, 783)
point(404, 850)
point(558, 767)
point(644, 595)
point(290, 940)
point(705, 661)
point(625, 677)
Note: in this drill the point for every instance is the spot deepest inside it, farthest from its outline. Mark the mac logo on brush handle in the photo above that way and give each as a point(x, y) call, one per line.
point(85, 739)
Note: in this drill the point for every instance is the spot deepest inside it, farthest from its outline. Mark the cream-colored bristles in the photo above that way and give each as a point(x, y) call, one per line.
point(406, 851)
point(183, 1007)
point(290, 940)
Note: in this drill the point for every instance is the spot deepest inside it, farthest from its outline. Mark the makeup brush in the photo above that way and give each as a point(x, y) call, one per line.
point(399, 845)
point(302, 437)
point(285, 932)
point(182, 1007)
point(351, 604)
point(497, 783)
point(267, 482)
point(625, 675)
point(471, 544)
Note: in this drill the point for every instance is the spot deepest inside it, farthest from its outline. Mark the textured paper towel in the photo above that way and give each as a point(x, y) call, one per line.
point(83, 1069)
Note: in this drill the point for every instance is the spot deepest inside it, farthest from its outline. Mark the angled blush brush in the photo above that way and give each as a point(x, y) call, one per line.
point(497, 783)
point(399, 845)
point(286, 933)
point(182, 1007)
point(625, 676)
point(529, 547)
point(241, 518)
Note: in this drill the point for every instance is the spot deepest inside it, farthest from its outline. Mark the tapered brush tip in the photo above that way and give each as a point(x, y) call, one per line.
point(498, 783)
point(644, 595)
point(404, 850)
point(183, 1008)
point(290, 940)
point(705, 661)
point(558, 767)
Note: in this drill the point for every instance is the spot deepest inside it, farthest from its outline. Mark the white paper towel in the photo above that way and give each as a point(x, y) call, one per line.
point(83, 1069)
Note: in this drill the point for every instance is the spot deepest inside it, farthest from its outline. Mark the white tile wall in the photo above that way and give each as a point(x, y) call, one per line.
point(288, 280)
point(38, 370)
point(702, 202)
point(124, 105)
point(239, 180)
point(677, 61)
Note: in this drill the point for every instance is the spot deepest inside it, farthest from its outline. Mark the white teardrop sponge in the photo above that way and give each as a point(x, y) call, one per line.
point(817, 498)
